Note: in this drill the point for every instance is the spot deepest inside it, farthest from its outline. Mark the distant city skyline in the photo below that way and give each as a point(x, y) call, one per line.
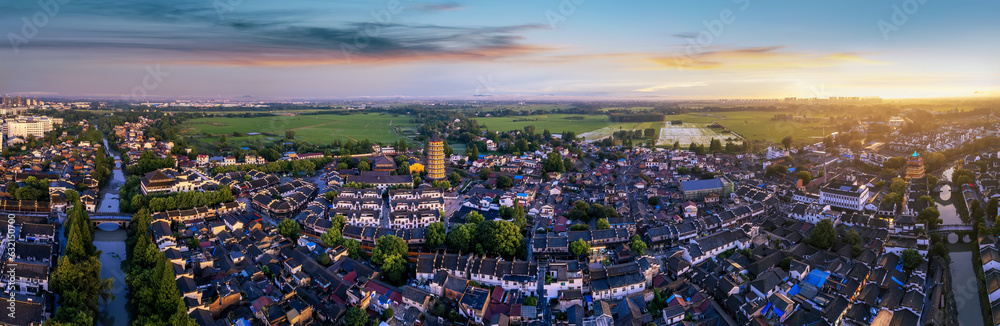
point(569, 49)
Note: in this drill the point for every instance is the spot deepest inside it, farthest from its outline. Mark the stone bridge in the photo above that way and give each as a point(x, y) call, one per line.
point(952, 228)
point(122, 219)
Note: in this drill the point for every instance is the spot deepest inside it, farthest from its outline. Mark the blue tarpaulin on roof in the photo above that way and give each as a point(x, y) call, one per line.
point(791, 169)
point(795, 290)
point(817, 278)
point(518, 177)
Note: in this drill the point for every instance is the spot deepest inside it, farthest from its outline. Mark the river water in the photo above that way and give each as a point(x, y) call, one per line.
point(965, 288)
point(112, 247)
point(110, 240)
point(949, 215)
point(963, 277)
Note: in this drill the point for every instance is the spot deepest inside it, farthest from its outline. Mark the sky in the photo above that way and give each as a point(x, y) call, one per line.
point(534, 49)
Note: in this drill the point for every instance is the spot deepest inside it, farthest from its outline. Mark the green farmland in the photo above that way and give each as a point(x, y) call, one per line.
point(759, 126)
point(555, 123)
point(316, 129)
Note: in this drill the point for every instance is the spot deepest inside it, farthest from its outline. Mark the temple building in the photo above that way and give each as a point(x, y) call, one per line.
point(914, 167)
point(435, 158)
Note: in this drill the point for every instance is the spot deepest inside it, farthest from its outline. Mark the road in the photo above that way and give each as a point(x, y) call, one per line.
point(543, 302)
point(384, 220)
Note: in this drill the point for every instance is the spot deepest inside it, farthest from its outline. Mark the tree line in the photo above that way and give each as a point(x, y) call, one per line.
point(153, 294)
point(637, 117)
point(501, 238)
point(77, 276)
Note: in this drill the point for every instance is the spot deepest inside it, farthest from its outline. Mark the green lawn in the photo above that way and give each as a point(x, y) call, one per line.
point(316, 129)
point(555, 123)
point(759, 126)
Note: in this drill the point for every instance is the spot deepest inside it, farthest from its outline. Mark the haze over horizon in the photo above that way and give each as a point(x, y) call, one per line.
point(516, 49)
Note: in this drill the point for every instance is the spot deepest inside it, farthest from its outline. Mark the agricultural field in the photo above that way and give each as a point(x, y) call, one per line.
point(529, 107)
point(316, 129)
point(688, 133)
point(555, 123)
point(617, 126)
point(758, 125)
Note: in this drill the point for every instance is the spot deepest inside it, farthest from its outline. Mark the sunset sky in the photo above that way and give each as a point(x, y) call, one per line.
point(517, 49)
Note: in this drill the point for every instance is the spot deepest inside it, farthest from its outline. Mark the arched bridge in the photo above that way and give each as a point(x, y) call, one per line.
point(953, 228)
point(122, 219)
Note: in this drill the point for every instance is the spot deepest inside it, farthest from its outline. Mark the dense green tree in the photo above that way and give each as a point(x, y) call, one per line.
point(353, 248)
point(394, 269)
point(389, 245)
point(637, 245)
point(355, 317)
point(787, 142)
point(473, 218)
point(806, 177)
point(553, 163)
point(602, 224)
point(339, 221)
point(473, 153)
point(435, 235)
point(484, 174)
point(852, 237)
point(930, 217)
point(579, 248)
point(823, 235)
point(498, 237)
point(911, 259)
point(459, 237)
point(504, 182)
point(289, 228)
point(331, 237)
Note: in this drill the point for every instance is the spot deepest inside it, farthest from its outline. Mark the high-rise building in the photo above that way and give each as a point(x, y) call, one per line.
point(914, 167)
point(435, 158)
point(25, 126)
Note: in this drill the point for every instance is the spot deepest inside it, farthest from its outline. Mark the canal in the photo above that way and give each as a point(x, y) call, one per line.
point(949, 215)
point(965, 288)
point(112, 247)
point(110, 240)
